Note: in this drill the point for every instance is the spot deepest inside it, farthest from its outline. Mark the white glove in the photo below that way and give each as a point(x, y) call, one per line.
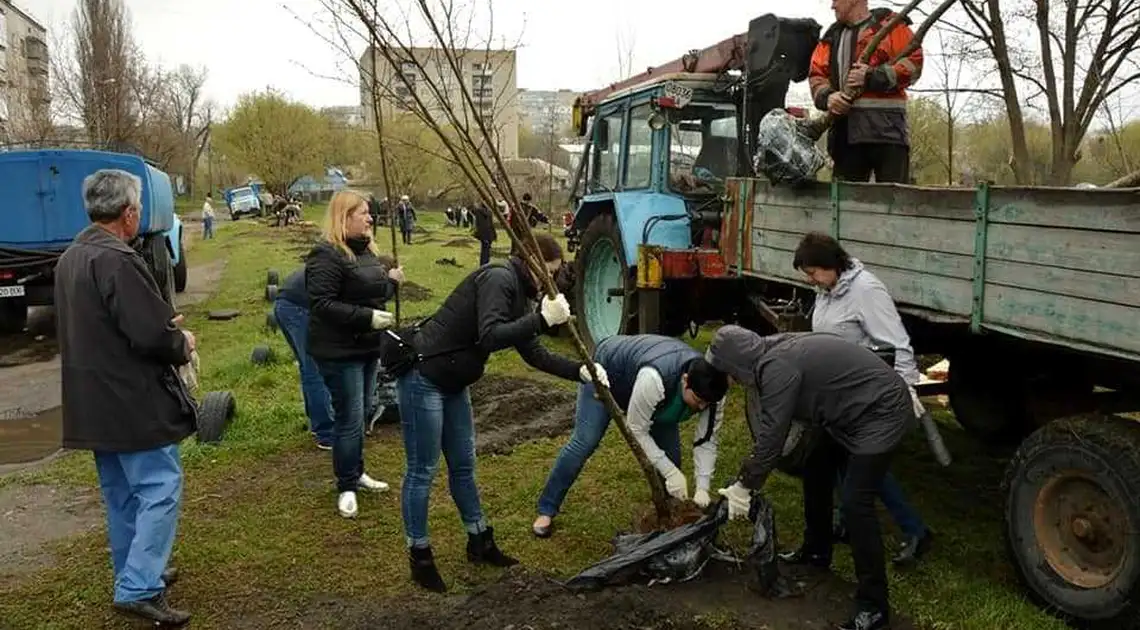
point(676, 484)
point(382, 319)
point(396, 275)
point(739, 500)
point(918, 408)
point(556, 311)
point(603, 378)
point(701, 498)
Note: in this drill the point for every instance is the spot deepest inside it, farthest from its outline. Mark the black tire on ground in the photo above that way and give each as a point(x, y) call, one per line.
point(214, 416)
point(271, 322)
point(180, 271)
point(988, 400)
point(261, 355)
point(603, 228)
point(1072, 509)
point(272, 277)
point(223, 315)
point(270, 292)
point(13, 315)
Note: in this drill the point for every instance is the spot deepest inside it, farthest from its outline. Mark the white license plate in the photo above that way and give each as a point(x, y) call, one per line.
point(12, 291)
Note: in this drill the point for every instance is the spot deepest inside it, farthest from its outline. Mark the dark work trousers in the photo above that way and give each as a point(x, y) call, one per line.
point(861, 488)
point(857, 162)
point(484, 252)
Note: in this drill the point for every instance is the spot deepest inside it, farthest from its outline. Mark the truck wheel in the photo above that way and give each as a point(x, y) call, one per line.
point(270, 293)
point(214, 415)
point(272, 277)
point(157, 256)
point(1072, 510)
point(13, 315)
point(605, 289)
point(987, 399)
point(180, 269)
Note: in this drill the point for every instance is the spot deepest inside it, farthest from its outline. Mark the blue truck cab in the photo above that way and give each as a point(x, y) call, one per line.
point(243, 200)
point(42, 211)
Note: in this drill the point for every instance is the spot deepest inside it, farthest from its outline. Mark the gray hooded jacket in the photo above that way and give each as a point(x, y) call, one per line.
point(817, 378)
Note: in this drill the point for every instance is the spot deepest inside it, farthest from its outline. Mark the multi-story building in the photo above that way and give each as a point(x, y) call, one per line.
point(24, 95)
point(489, 76)
point(546, 112)
point(345, 115)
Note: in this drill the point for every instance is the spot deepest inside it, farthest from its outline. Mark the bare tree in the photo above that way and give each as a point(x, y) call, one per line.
point(1084, 53)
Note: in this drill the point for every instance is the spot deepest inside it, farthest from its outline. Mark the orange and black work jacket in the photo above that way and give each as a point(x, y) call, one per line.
point(879, 115)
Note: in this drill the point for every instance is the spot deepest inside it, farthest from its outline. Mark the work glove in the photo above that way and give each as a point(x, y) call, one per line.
point(918, 408)
point(676, 484)
point(701, 498)
point(555, 311)
point(739, 500)
point(603, 378)
point(396, 274)
point(382, 319)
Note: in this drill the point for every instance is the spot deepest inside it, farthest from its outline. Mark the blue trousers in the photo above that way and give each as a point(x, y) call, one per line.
point(894, 499)
point(350, 386)
point(433, 423)
point(294, 323)
point(590, 423)
point(142, 492)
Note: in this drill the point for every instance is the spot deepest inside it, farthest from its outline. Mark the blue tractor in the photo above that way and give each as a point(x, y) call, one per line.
point(42, 211)
point(650, 187)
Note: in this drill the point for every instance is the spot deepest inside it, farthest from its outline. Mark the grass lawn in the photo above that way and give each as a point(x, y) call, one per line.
point(259, 529)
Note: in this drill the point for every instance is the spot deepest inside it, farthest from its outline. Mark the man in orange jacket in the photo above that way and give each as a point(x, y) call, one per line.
point(871, 136)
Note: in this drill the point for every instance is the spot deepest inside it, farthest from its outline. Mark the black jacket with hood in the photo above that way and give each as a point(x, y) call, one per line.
point(817, 378)
point(490, 310)
point(343, 292)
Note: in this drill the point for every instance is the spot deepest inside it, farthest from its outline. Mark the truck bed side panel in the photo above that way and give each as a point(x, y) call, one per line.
point(1062, 265)
point(22, 201)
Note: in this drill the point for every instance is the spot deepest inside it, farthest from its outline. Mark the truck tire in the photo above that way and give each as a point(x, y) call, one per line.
point(262, 355)
point(605, 291)
point(214, 416)
point(13, 315)
point(987, 399)
point(180, 269)
point(157, 256)
point(272, 277)
point(1072, 509)
point(270, 293)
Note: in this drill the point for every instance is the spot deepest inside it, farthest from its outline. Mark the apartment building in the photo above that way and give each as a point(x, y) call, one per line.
point(489, 75)
point(345, 115)
point(24, 95)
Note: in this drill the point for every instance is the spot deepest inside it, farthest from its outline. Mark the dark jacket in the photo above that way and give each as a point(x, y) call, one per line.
point(118, 349)
point(343, 293)
point(817, 378)
point(374, 210)
point(484, 224)
point(623, 356)
point(293, 289)
point(406, 215)
point(490, 310)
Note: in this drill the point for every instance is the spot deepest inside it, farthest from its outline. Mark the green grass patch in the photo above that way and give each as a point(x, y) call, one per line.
point(259, 527)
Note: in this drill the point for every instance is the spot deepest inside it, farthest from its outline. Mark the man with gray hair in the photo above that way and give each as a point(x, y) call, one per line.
point(120, 346)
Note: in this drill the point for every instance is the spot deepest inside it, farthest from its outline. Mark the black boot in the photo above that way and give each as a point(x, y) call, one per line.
point(424, 572)
point(481, 549)
point(799, 557)
point(155, 609)
point(867, 620)
point(914, 549)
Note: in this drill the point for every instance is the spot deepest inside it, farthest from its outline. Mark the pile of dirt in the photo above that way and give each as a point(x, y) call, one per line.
point(459, 242)
point(23, 349)
point(412, 292)
point(509, 411)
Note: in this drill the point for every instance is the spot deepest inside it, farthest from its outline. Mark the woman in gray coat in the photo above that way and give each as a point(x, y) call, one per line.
point(852, 303)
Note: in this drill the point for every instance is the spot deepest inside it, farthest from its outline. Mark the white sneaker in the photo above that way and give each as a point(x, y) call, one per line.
point(368, 483)
point(346, 504)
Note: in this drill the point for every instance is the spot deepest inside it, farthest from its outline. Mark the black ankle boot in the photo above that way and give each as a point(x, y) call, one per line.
point(481, 549)
point(424, 572)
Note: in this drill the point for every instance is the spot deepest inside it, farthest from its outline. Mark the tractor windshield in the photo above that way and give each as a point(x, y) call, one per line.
point(702, 148)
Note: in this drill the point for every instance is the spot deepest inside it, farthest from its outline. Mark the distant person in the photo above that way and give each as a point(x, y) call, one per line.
point(291, 308)
point(534, 215)
point(120, 348)
point(491, 310)
point(484, 231)
point(348, 288)
point(208, 217)
point(374, 211)
point(406, 215)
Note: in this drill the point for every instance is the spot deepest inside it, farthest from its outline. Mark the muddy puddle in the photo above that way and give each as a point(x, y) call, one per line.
point(29, 437)
point(509, 411)
point(412, 292)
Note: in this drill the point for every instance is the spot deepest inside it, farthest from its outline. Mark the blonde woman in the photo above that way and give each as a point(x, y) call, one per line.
point(348, 287)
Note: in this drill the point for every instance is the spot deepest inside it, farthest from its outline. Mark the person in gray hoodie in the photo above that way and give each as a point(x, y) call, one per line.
point(854, 304)
point(862, 408)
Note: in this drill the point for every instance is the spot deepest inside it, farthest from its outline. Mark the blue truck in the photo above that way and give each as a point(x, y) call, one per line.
point(42, 211)
point(244, 200)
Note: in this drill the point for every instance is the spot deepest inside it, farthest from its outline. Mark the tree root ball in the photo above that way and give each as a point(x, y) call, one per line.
point(681, 513)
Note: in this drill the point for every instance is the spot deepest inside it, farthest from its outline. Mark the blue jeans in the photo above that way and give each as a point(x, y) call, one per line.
point(294, 323)
point(902, 512)
point(142, 491)
point(207, 228)
point(350, 387)
point(590, 423)
point(435, 422)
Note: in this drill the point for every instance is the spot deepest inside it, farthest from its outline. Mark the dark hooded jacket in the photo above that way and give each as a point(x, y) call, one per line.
point(816, 378)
